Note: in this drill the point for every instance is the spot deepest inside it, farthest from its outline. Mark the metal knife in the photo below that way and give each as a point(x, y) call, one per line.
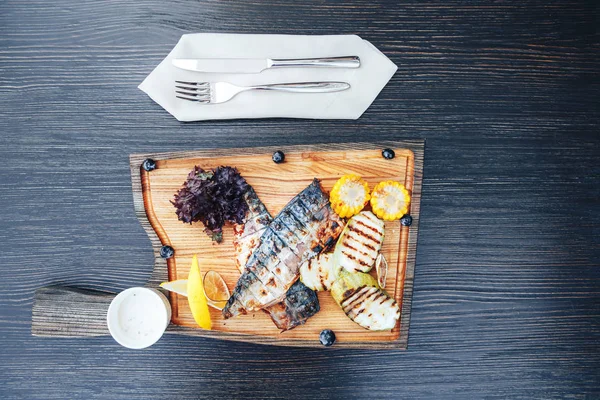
point(256, 65)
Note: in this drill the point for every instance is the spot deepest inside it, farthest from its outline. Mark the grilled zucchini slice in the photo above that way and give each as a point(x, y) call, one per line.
point(364, 302)
point(320, 272)
point(360, 242)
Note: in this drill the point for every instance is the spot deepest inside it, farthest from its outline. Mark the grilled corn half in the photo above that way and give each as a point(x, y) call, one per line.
point(349, 195)
point(390, 200)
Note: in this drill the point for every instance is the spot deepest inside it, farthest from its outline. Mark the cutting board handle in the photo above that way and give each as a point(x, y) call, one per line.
point(61, 311)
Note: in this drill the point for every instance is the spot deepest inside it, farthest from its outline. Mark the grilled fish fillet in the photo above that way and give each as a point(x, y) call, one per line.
point(300, 304)
point(246, 236)
point(304, 228)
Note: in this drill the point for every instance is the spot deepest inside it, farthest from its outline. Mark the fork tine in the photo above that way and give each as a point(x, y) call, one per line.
point(200, 90)
point(193, 94)
point(193, 91)
point(195, 99)
point(194, 83)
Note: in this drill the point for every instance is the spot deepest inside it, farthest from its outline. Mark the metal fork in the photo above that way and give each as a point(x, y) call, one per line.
point(220, 92)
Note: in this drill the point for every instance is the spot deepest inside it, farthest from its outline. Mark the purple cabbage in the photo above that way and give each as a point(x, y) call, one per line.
point(213, 198)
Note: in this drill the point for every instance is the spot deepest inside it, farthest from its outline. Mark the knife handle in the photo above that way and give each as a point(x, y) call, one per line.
point(329, 62)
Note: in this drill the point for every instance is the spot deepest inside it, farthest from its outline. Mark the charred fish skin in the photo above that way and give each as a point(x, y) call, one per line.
point(257, 218)
point(259, 267)
point(255, 206)
point(259, 279)
point(265, 293)
point(309, 236)
point(247, 235)
point(270, 250)
point(276, 280)
point(244, 243)
point(265, 276)
point(253, 224)
point(302, 302)
point(244, 248)
point(295, 224)
point(284, 273)
point(255, 293)
point(288, 261)
point(324, 222)
point(302, 245)
point(314, 211)
point(313, 196)
point(299, 242)
point(299, 305)
point(330, 229)
point(233, 307)
point(248, 281)
point(271, 254)
point(295, 244)
point(246, 240)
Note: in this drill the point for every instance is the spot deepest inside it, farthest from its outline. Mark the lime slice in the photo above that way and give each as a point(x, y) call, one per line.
point(180, 287)
point(216, 290)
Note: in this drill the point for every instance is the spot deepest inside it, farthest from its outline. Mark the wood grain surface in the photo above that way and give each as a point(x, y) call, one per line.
point(507, 286)
point(276, 185)
point(67, 312)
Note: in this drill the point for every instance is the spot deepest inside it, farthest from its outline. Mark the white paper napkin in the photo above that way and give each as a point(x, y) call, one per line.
point(367, 81)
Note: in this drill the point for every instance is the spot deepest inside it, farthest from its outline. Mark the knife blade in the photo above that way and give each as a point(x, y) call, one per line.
point(256, 65)
point(224, 65)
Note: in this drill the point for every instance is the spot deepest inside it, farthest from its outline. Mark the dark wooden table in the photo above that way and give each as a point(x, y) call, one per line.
point(507, 285)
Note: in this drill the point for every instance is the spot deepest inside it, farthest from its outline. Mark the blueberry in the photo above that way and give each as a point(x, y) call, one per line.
point(278, 157)
point(167, 252)
point(149, 164)
point(406, 220)
point(327, 337)
point(388, 154)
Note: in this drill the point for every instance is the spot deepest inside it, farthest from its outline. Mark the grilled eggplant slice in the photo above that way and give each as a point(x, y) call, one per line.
point(364, 302)
point(320, 272)
point(360, 243)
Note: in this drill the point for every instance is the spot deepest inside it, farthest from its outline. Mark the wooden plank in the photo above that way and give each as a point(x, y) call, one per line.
point(276, 185)
point(70, 312)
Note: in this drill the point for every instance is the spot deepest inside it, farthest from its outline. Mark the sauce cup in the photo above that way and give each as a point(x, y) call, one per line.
point(138, 317)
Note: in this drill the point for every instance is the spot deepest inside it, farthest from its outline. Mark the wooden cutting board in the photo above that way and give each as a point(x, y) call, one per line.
point(276, 185)
point(69, 312)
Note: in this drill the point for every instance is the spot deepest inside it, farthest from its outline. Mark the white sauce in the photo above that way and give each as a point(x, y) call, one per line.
point(138, 317)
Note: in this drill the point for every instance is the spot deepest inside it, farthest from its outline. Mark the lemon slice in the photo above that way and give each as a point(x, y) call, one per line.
point(197, 298)
point(216, 290)
point(179, 286)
